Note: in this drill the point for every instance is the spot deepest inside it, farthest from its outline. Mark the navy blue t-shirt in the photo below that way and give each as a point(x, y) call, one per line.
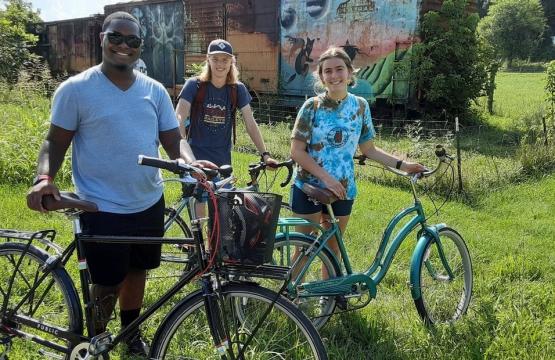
point(212, 128)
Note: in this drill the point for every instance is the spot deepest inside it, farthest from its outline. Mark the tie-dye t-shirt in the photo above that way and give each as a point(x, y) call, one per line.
point(332, 136)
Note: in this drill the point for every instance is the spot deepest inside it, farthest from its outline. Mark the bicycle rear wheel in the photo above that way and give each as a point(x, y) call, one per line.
point(54, 303)
point(284, 334)
point(444, 277)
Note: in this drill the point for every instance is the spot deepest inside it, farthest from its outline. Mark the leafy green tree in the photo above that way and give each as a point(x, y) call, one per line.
point(514, 27)
point(449, 70)
point(16, 23)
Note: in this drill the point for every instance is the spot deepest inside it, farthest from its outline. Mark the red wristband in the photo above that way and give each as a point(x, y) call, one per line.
point(42, 177)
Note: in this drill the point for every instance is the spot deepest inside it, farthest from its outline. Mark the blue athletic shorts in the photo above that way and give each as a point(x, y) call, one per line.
point(301, 204)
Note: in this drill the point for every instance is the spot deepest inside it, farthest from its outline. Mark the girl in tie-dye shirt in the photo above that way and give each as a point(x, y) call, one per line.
point(327, 131)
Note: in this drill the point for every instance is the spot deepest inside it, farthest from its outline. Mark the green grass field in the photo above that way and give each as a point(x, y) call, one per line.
point(508, 226)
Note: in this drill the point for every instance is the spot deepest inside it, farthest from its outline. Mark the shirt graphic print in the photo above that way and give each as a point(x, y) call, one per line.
point(214, 114)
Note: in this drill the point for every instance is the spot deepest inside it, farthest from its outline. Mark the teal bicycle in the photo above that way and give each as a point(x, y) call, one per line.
point(440, 267)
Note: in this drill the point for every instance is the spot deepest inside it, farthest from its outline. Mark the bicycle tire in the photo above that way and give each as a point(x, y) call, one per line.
point(285, 334)
point(317, 308)
point(177, 259)
point(55, 302)
point(442, 299)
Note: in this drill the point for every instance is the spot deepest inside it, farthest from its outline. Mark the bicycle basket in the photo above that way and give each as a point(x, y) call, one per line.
point(248, 223)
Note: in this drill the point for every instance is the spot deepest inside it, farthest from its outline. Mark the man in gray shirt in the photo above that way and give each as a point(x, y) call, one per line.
point(112, 114)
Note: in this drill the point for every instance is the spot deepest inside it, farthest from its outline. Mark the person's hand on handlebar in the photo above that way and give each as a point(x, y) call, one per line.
point(271, 162)
point(199, 164)
point(205, 164)
point(413, 168)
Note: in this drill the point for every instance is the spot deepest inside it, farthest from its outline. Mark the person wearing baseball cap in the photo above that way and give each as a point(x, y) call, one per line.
point(220, 46)
point(207, 106)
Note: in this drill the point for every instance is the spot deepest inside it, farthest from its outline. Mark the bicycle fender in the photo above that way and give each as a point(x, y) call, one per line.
point(424, 237)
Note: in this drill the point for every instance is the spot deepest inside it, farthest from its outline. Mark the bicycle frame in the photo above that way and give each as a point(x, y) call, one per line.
point(103, 343)
point(381, 263)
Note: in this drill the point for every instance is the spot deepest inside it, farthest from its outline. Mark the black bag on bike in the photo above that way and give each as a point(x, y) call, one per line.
point(248, 223)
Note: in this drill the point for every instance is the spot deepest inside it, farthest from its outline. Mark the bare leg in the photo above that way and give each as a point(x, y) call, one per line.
point(332, 243)
point(315, 218)
point(132, 290)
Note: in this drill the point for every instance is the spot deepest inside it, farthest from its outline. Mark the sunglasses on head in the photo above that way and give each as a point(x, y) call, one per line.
point(116, 38)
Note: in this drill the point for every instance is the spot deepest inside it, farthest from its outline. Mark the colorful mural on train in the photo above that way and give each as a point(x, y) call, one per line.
point(377, 34)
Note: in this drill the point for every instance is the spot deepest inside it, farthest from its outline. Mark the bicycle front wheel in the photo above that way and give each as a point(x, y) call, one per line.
point(284, 334)
point(53, 303)
point(444, 278)
point(323, 266)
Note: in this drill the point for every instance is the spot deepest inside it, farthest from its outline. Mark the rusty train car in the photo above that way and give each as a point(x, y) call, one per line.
point(277, 42)
point(71, 46)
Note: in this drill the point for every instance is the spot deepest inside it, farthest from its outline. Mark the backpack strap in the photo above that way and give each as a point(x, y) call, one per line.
point(197, 106)
point(233, 109)
point(315, 106)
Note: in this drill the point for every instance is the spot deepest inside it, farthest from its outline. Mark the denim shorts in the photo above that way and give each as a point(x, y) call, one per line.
point(301, 204)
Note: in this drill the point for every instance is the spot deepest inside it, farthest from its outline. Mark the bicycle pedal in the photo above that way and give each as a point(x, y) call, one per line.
point(50, 355)
point(100, 343)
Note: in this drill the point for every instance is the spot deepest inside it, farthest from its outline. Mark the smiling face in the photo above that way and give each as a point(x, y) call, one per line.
point(120, 56)
point(220, 65)
point(335, 75)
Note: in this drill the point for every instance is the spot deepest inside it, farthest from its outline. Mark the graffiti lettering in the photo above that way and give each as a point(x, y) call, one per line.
point(354, 8)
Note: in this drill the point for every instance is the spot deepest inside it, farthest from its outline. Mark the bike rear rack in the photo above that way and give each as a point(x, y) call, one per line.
point(45, 237)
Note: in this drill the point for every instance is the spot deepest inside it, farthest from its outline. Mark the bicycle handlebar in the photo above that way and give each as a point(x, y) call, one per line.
point(180, 168)
point(256, 168)
point(440, 152)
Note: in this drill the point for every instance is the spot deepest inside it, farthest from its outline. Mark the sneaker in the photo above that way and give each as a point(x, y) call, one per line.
point(136, 346)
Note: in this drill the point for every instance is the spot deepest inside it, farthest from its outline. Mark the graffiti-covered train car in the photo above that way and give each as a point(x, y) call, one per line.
point(162, 31)
point(70, 46)
point(277, 42)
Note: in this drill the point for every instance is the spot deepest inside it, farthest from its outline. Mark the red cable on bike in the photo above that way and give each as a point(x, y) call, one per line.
point(215, 233)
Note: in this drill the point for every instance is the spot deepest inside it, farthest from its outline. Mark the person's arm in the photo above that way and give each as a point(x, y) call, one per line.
point(255, 135)
point(307, 163)
point(51, 157)
point(375, 153)
point(183, 112)
point(177, 148)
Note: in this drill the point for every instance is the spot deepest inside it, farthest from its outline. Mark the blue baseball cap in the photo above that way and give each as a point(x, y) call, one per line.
point(220, 46)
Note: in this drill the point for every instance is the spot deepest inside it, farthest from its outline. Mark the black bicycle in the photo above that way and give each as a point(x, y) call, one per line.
point(226, 318)
point(178, 215)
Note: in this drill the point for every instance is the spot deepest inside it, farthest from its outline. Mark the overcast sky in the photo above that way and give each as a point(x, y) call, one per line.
point(51, 10)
